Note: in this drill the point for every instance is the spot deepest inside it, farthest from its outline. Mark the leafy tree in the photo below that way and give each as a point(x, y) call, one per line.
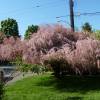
point(87, 27)
point(30, 30)
point(9, 27)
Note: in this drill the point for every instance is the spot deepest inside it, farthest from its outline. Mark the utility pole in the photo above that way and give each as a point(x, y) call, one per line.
point(71, 4)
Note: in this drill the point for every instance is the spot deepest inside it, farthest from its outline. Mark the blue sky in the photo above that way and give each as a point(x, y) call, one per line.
point(26, 12)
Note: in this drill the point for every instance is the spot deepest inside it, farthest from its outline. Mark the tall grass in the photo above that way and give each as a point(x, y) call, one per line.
point(55, 41)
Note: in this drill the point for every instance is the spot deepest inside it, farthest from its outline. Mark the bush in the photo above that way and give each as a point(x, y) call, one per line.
point(37, 69)
point(11, 48)
point(97, 34)
point(25, 67)
point(80, 61)
point(1, 91)
point(59, 65)
point(47, 38)
point(63, 50)
point(83, 58)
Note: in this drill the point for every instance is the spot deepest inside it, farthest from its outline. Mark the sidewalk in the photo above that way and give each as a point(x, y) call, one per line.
point(19, 76)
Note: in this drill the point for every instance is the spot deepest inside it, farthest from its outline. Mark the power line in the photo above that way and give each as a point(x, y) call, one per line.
point(89, 13)
point(81, 14)
point(66, 22)
point(46, 5)
point(49, 5)
point(75, 15)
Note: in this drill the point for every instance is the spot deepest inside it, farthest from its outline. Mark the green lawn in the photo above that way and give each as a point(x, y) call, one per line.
point(46, 87)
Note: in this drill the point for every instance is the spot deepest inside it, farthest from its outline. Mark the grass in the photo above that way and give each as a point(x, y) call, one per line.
point(46, 87)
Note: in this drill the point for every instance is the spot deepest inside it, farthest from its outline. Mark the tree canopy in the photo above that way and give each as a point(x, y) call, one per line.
point(87, 27)
point(9, 27)
point(30, 30)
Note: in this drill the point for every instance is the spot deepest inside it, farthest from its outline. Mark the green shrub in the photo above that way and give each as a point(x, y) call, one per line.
point(24, 68)
point(97, 34)
point(59, 66)
point(37, 69)
point(1, 91)
point(21, 65)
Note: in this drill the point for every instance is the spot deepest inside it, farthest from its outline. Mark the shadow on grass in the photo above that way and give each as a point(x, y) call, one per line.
point(72, 84)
